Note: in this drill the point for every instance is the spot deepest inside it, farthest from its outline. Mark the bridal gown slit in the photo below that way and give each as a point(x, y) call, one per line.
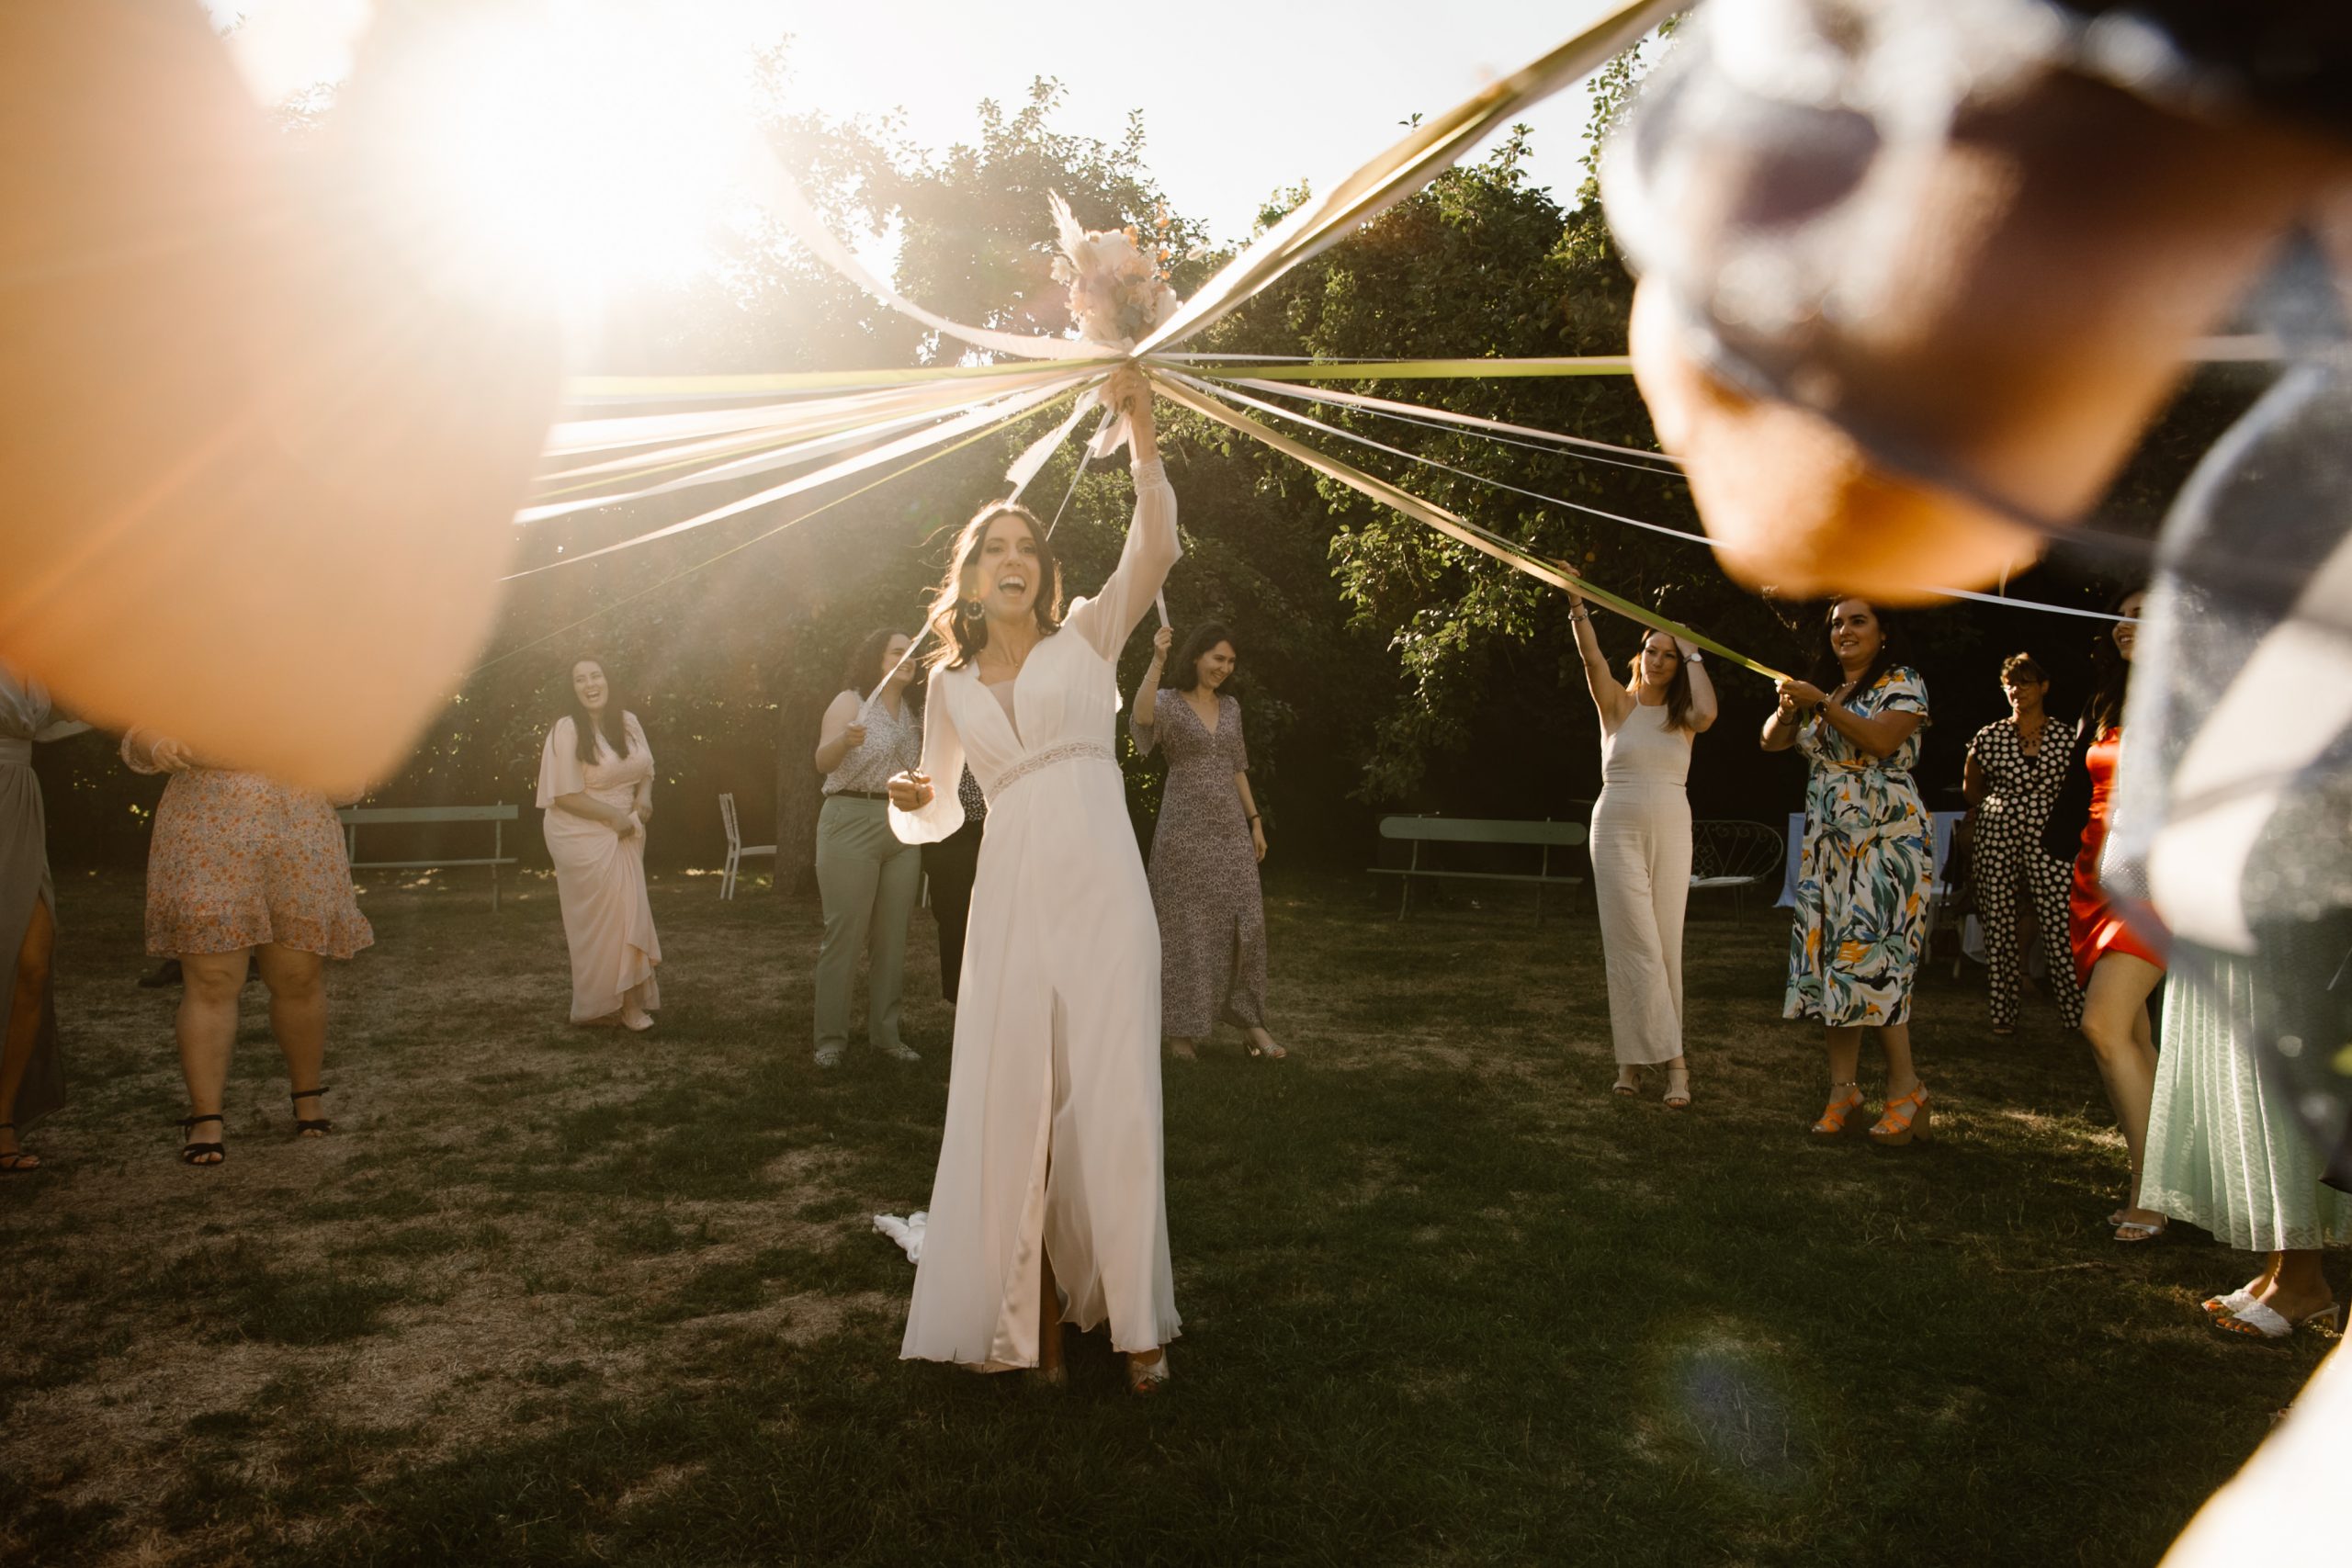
point(1052, 1145)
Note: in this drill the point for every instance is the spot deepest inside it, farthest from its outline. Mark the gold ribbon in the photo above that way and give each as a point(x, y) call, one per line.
point(1454, 526)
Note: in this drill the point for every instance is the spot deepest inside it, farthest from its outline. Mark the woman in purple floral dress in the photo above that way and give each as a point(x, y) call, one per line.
point(1205, 849)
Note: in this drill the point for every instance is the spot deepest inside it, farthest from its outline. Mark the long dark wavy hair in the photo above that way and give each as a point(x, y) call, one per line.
point(1828, 674)
point(2110, 674)
point(1186, 676)
point(1678, 690)
point(962, 636)
point(583, 723)
point(865, 667)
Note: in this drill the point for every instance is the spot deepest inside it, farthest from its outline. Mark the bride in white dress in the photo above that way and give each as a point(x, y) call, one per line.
point(1049, 1206)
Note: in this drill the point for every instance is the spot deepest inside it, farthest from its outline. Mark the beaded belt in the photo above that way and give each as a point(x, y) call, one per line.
point(14, 750)
point(1069, 751)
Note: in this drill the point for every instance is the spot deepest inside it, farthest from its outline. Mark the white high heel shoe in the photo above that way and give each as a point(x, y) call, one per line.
point(1149, 1378)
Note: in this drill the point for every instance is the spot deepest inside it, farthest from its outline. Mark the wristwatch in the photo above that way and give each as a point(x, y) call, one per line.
point(1697, 657)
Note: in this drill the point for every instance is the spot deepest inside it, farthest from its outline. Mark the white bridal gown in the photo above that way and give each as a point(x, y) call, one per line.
point(1052, 1145)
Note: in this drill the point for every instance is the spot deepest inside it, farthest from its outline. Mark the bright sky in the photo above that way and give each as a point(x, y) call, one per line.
point(1239, 96)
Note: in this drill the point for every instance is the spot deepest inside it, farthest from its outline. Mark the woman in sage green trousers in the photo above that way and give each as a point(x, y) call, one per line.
point(867, 878)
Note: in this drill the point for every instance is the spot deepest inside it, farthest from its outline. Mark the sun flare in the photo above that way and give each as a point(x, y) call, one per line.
point(582, 146)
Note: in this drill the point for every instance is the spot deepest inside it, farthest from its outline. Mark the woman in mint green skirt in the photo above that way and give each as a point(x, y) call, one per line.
point(2227, 1153)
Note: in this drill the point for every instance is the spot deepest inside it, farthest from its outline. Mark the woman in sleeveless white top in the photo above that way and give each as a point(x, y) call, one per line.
point(1641, 844)
point(1049, 1180)
point(868, 879)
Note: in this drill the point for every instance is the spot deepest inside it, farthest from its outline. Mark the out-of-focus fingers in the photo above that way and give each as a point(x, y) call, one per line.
point(265, 451)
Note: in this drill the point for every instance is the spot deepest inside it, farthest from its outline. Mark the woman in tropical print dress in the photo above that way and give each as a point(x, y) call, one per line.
point(1868, 865)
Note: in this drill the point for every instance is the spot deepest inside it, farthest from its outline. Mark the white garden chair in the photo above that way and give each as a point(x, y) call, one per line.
point(1734, 857)
point(736, 850)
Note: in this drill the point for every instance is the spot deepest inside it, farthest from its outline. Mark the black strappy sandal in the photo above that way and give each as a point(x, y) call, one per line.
point(192, 1153)
point(304, 1126)
point(20, 1160)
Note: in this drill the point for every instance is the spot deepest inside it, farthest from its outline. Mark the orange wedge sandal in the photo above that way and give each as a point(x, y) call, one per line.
point(1904, 1120)
point(1841, 1106)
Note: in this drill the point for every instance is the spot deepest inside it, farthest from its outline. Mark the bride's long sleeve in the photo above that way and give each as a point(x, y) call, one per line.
point(942, 763)
point(1109, 619)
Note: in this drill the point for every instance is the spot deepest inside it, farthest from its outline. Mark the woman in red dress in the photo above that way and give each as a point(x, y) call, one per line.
point(2118, 967)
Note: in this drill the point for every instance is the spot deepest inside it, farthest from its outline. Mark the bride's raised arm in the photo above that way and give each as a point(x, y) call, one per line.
point(1108, 618)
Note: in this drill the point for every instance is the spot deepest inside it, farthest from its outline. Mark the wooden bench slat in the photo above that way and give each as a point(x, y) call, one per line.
point(354, 817)
point(365, 814)
point(1481, 830)
point(1476, 875)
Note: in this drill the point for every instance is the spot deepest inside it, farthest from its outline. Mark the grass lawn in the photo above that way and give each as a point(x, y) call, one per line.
point(554, 1296)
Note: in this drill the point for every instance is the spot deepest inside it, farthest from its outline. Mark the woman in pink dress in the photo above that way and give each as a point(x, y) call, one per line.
point(243, 870)
point(596, 787)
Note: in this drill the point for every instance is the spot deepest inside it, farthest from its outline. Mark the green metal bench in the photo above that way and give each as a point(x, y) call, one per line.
point(1418, 831)
point(355, 818)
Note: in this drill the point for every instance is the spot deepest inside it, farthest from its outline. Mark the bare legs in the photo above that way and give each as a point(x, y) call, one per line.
point(2115, 1021)
point(1049, 1319)
point(206, 1028)
point(1895, 1039)
point(207, 1024)
point(23, 1025)
point(1258, 1043)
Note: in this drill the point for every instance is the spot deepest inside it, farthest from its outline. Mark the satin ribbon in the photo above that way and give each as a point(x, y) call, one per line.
point(1427, 150)
point(1431, 370)
point(1458, 528)
point(1661, 461)
point(768, 383)
point(765, 458)
point(932, 457)
point(811, 228)
point(968, 427)
point(1380, 405)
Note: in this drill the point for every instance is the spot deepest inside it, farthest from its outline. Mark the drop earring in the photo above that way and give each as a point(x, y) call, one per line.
point(972, 611)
